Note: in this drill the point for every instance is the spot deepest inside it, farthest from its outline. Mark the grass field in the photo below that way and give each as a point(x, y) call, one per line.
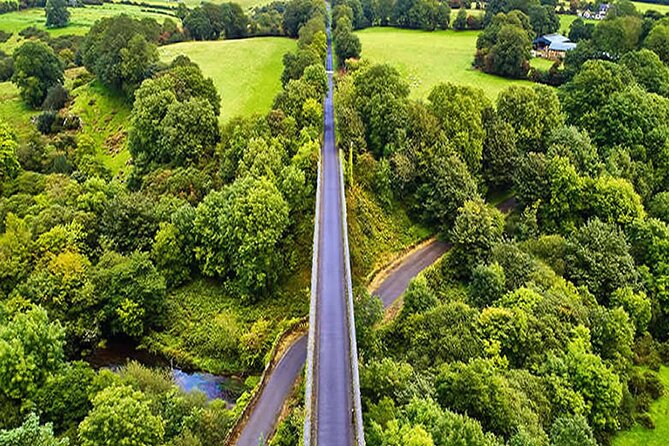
point(81, 20)
point(659, 411)
point(14, 112)
point(429, 58)
point(643, 7)
point(247, 72)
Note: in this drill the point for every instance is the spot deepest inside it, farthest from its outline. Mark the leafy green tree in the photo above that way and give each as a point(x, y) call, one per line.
point(617, 36)
point(9, 163)
point(447, 186)
point(477, 228)
point(129, 222)
point(15, 252)
point(30, 433)
point(57, 14)
point(575, 145)
point(533, 112)
point(460, 112)
point(170, 254)
point(591, 89)
point(572, 431)
point(460, 23)
point(636, 304)
point(238, 233)
point(612, 335)
point(190, 131)
point(294, 64)
point(543, 18)
point(65, 397)
point(510, 54)
point(418, 297)
point(121, 415)
point(299, 12)
point(31, 350)
point(659, 206)
point(648, 70)
point(36, 69)
point(614, 200)
point(487, 285)
point(133, 292)
point(579, 30)
point(598, 257)
point(658, 41)
point(347, 44)
point(121, 51)
point(500, 155)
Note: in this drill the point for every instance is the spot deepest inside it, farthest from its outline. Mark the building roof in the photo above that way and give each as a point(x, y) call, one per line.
point(562, 46)
point(550, 39)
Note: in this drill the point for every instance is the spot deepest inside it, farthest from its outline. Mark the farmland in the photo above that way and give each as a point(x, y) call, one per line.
point(246, 72)
point(429, 58)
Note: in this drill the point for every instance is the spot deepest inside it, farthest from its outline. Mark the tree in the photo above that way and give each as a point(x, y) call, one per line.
point(579, 30)
point(658, 41)
point(575, 145)
point(487, 285)
point(9, 163)
point(598, 257)
point(446, 187)
point(591, 89)
point(510, 54)
point(477, 228)
point(57, 14)
point(544, 20)
point(189, 131)
point(121, 51)
point(238, 233)
point(418, 297)
point(636, 304)
point(529, 110)
point(500, 155)
point(121, 415)
point(31, 350)
point(36, 69)
point(460, 22)
point(460, 110)
point(572, 431)
point(30, 433)
point(648, 70)
point(133, 292)
point(615, 200)
point(347, 44)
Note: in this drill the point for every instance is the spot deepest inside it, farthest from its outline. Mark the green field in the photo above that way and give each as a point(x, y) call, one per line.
point(659, 412)
point(246, 72)
point(567, 19)
point(429, 58)
point(81, 19)
point(643, 7)
point(14, 112)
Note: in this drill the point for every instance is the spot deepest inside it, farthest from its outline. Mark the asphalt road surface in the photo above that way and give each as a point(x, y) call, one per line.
point(262, 421)
point(333, 404)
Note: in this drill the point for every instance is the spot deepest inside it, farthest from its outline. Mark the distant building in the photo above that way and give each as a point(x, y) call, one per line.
point(552, 46)
point(600, 14)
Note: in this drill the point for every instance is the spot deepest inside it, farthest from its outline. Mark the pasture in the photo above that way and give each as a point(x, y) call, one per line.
point(429, 58)
point(81, 20)
point(659, 412)
point(246, 72)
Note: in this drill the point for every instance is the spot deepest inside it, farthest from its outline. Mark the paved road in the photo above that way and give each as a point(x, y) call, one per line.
point(333, 398)
point(399, 277)
point(262, 421)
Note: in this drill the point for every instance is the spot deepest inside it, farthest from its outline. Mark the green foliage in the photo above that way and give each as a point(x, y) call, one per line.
point(477, 228)
point(487, 285)
point(9, 164)
point(648, 70)
point(174, 118)
point(347, 44)
point(133, 292)
point(30, 433)
point(31, 349)
point(238, 231)
point(121, 416)
point(120, 51)
point(658, 41)
point(598, 257)
point(57, 14)
point(418, 297)
point(504, 46)
point(36, 69)
point(572, 431)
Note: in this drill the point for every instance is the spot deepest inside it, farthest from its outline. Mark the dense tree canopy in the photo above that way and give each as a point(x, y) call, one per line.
point(36, 69)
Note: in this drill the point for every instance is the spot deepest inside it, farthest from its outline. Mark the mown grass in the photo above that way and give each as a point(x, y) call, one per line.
point(659, 412)
point(14, 111)
point(643, 7)
point(246, 72)
point(429, 58)
point(81, 20)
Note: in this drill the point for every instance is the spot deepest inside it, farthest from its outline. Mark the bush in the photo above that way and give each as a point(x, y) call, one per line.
point(45, 121)
point(645, 420)
point(4, 36)
point(56, 98)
